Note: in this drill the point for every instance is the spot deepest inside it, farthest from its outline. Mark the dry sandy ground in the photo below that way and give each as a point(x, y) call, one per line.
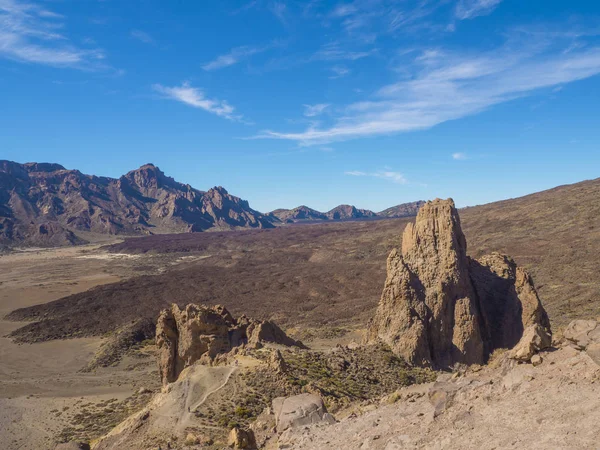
point(41, 387)
point(555, 405)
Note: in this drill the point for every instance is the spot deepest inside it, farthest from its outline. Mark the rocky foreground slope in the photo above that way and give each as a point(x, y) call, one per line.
point(47, 205)
point(553, 404)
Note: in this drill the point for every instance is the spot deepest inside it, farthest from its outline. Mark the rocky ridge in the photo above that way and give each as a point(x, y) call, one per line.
point(343, 212)
point(439, 307)
point(403, 210)
point(46, 205)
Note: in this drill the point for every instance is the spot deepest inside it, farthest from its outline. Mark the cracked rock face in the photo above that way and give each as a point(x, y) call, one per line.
point(439, 307)
point(201, 333)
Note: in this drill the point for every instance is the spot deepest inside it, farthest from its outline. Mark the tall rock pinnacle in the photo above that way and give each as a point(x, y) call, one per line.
point(439, 307)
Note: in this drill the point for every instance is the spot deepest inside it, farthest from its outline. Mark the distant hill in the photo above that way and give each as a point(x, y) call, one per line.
point(403, 210)
point(344, 212)
point(45, 204)
point(301, 213)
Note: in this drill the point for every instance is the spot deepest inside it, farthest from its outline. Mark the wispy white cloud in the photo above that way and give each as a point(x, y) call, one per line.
point(315, 110)
point(250, 5)
point(334, 51)
point(439, 86)
point(142, 36)
point(195, 97)
point(339, 72)
point(366, 20)
point(459, 156)
point(236, 55)
point(469, 9)
point(279, 10)
point(30, 33)
point(394, 177)
point(344, 10)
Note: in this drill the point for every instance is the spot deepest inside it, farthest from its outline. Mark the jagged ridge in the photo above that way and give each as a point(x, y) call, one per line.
point(46, 204)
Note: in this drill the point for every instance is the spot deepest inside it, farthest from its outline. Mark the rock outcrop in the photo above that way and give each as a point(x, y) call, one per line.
point(440, 307)
point(300, 410)
point(202, 333)
point(241, 439)
point(535, 339)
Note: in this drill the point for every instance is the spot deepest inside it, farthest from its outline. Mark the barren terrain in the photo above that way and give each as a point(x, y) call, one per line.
point(321, 282)
point(43, 394)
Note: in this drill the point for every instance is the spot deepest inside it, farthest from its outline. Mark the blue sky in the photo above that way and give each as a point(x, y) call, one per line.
point(288, 102)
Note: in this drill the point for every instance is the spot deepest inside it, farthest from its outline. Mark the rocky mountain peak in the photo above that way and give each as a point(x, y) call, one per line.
point(147, 177)
point(43, 167)
point(439, 307)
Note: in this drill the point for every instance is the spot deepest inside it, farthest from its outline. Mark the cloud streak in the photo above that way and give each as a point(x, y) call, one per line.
point(444, 86)
point(388, 175)
point(315, 110)
point(233, 57)
point(469, 9)
point(194, 97)
point(142, 36)
point(30, 33)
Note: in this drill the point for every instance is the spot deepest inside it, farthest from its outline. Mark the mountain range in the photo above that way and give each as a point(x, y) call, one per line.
point(45, 204)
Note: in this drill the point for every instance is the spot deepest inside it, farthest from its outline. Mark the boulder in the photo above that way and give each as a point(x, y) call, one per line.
point(535, 338)
point(241, 438)
point(300, 410)
point(536, 360)
point(439, 307)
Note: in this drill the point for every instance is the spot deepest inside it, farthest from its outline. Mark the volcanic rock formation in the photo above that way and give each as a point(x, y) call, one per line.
point(201, 333)
point(440, 307)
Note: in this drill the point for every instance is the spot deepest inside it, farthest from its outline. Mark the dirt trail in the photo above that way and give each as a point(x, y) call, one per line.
point(212, 387)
